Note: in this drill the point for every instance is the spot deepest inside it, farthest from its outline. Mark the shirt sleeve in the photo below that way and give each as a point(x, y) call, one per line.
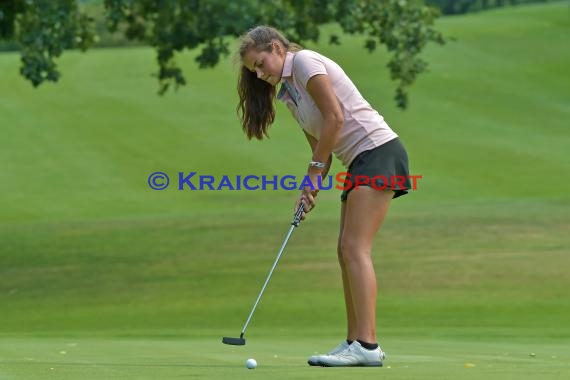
point(307, 64)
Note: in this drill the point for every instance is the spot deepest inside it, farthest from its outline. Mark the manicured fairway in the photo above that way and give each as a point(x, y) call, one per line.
point(278, 358)
point(103, 278)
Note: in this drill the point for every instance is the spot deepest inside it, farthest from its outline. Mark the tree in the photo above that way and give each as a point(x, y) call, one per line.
point(453, 7)
point(45, 28)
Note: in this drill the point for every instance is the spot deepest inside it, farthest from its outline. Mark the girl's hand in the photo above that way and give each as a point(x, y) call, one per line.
point(308, 197)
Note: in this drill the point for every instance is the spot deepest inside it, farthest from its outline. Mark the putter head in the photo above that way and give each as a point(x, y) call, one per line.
point(233, 341)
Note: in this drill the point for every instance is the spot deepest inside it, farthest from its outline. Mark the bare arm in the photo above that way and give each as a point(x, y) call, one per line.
point(313, 143)
point(320, 89)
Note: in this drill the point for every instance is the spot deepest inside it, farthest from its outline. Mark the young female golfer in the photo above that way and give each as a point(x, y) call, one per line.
point(335, 119)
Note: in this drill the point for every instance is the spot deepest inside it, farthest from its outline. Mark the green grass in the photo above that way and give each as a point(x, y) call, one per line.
point(278, 358)
point(135, 283)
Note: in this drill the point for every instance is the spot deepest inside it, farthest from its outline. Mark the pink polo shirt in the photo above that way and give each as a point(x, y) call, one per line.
point(364, 128)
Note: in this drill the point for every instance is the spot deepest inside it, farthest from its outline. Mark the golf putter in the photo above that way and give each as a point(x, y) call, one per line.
point(241, 340)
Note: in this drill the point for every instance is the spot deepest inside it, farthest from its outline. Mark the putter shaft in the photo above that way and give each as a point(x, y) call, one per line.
point(268, 277)
point(294, 223)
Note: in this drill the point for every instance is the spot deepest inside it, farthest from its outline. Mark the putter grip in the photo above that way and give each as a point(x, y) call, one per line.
point(297, 217)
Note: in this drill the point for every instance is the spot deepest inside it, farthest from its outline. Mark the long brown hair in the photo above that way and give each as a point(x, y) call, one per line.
point(255, 107)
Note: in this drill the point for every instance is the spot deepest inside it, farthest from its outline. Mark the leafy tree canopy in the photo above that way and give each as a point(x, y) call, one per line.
point(45, 28)
point(452, 7)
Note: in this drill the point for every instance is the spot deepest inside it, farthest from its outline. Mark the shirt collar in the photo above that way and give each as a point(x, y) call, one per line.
point(287, 72)
point(288, 65)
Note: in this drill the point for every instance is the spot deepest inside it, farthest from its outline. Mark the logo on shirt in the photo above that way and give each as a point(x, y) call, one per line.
point(286, 87)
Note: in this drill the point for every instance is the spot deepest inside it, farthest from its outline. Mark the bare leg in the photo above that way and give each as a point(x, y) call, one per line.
point(362, 215)
point(352, 331)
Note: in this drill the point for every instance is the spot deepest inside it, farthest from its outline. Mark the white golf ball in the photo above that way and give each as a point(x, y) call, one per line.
point(251, 363)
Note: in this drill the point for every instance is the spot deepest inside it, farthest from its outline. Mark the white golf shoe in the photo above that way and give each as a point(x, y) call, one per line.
point(354, 356)
point(314, 360)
